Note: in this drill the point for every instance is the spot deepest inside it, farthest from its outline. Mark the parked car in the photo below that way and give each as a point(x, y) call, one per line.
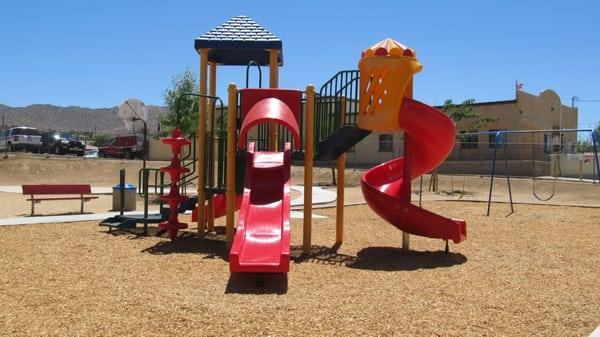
point(20, 138)
point(129, 146)
point(61, 143)
point(91, 153)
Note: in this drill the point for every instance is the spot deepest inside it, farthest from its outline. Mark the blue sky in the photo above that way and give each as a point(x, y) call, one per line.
point(98, 53)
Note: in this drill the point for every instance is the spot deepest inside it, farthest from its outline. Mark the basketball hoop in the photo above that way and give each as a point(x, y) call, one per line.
point(131, 108)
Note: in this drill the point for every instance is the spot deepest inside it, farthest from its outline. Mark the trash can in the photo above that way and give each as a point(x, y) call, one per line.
point(129, 204)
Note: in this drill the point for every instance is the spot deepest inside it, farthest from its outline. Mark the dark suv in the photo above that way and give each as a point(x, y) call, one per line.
point(62, 142)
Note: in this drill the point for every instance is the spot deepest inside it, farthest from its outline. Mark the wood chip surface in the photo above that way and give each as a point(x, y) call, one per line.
point(532, 273)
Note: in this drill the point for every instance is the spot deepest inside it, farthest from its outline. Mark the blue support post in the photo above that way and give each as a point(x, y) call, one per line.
point(595, 146)
point(493, 172)
point(512, 210)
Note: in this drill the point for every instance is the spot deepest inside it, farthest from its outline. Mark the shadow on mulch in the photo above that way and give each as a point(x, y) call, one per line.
point(379, 258)
point(258, 284)
point(211, 246)
point(29, 215)
point(137, 233)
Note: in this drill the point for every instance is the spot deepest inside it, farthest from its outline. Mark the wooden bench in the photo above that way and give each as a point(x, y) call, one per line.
point(83, 192)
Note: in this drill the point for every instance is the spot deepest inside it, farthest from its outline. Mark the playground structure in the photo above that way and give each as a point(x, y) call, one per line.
point(241, 155)
point(257, 181)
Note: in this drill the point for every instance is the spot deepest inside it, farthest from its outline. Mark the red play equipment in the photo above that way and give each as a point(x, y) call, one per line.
point(428, 139)
point(386, 104)
point(172, 225)
point(262, 238)
point(220, 208)
point(322, 125)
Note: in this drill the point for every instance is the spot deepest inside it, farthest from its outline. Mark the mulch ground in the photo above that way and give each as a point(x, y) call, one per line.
point(534, 272)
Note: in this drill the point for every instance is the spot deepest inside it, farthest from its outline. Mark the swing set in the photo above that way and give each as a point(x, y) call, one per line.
point(553, 144)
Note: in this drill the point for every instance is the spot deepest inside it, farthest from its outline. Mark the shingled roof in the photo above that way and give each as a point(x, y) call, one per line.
point(239, 41)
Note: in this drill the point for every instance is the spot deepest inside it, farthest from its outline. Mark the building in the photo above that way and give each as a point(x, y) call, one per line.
point(525, 112)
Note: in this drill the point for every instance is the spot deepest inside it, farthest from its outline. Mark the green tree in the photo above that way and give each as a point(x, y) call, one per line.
point(176, 101)
point(586, 145)
point(464, 111)
point(101, 139)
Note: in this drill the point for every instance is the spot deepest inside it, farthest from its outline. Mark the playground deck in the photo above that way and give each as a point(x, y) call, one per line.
point(530, 273)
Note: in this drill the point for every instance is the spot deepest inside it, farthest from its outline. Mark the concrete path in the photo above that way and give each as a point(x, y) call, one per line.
point(60, 218)
point(97, 216)
point(320, 196)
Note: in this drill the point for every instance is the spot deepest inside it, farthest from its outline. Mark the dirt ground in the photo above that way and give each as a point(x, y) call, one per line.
point(41, 169)
point(532, 273)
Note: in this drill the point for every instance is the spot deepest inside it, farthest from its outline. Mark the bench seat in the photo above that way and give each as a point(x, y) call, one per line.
point(74, 192)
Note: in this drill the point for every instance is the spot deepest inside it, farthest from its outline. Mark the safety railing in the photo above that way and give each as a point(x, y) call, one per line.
point(328, 104)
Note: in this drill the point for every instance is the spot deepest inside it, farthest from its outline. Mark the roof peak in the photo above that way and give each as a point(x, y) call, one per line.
point(238, 41)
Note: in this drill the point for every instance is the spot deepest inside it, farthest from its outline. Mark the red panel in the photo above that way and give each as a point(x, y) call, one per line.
point(262, 238)
point(269, 110)
point(220, 207)
point(430, 134)
point(291, 97)
point(57, 189)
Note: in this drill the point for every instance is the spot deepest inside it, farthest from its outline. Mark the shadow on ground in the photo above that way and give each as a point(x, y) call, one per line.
point(211, 246)
point(379, 258)
point(257, 284)
point(37, 215)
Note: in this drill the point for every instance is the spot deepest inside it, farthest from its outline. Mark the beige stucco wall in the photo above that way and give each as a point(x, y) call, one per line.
point(367, 151)
point(159, 151)
point(526, 112)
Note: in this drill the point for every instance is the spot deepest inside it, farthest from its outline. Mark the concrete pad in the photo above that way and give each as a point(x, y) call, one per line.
point(320, 196)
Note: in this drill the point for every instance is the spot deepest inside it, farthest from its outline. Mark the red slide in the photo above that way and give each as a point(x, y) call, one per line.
point(429, 138)
point(262, 238)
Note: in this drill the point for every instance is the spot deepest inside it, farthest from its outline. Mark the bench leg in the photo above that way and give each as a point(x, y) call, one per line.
point(81, 204)
point(32, 205)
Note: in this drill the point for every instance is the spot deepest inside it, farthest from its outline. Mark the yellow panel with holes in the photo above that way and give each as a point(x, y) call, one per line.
point(386, 73)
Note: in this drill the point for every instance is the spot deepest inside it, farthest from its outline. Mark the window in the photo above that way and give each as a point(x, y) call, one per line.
point(468, 141)
point(501, 139)
point(386, 143)
point(26, 132)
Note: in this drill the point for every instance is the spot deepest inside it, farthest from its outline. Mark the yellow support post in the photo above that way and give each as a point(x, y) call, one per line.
point(202, 142)
point(273, 83)
point(308, 168)
point(230, 179)
point(341, 168)
point(211, 123)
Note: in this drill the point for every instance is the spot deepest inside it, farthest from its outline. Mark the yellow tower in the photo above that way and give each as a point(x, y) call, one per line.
point(386, 74)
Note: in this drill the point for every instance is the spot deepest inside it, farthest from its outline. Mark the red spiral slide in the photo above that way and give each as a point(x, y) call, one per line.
point(262, 238)
point(428, 140)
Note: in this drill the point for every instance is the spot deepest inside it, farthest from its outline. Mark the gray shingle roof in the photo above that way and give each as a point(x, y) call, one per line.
point(239, 41)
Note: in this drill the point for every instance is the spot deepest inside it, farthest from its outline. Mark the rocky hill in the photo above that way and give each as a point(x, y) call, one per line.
point(50, 117)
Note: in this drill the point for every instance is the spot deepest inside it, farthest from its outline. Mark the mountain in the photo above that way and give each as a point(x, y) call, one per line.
point(50, 117)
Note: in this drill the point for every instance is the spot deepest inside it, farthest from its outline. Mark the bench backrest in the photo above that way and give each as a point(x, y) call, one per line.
point(57, 189)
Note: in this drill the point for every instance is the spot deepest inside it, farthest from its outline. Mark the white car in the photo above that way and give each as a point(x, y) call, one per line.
point(20, 138)
point(91, 153)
